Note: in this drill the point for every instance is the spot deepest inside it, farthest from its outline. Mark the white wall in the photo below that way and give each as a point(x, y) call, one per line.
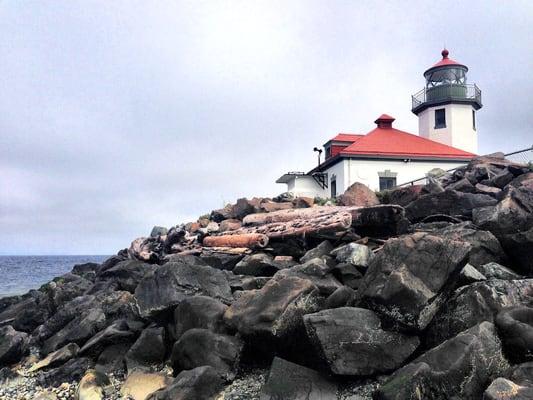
point(366, 171)
point(306, 186)
point(459, 131)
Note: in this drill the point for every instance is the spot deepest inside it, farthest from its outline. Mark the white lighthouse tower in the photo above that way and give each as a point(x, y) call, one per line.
point(446, 107)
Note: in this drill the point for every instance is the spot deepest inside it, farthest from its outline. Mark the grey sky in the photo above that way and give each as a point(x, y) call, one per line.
point(116, 116)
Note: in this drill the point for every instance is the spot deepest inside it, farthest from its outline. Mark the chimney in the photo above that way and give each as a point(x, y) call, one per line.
point(384, 121)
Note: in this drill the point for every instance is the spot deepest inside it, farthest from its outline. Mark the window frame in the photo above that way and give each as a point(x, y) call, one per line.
point(387, 182)
point(443, 125)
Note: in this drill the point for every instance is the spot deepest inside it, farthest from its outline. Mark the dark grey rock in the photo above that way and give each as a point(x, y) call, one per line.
point(259, 264)
point(119, 331)
point(173, 282)
point(199, 312)
point(289, 381)
point(27, 314)
point(13, 345)
point(470, 305)
point(353, 253)
point(317, 270)
point(148, 350)
point(504, 389)
point(519, 246)
point(57, 357)
point(460, 368)
point(112, 358)
point(515, 325)
point(342, 297)
point(352, 342)
point(323, 249)
point(497, 271)
point(348, 274)
point(404, 280)
point(202, 383)
point(198, 347)
point(72, 371)
point(126, 274)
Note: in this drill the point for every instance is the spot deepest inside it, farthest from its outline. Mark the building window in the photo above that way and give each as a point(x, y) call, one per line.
point(386, 183)
point(333, 186)
point(474, 119)
point(328, 152)
point(440, 118)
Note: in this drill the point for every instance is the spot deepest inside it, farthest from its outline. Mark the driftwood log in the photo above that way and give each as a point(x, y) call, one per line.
point(250, 240)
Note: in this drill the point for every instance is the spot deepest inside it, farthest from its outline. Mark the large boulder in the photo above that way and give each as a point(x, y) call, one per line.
point(27, 314)
point(126, 274)
point(202, 383)
point(405, 279)
point(57, 357)
point(449, 202)
point(470, 305)
point(119, 331)
point(353, 253)
point(171, 283)
point(351, 341)
point(65, 288)
point(484, 247)
point(13, 345)
point(323, 249)
point(505, 389)
point(259, 264)
point(93, 386)
point(514, 213)
point(358, 194)
point(273, 313)
point(460, 368)
point(140, 385)
point(198, 347)
point(317, 271)
point(148, 350)
point(404, 195)
point(380, 221)
point(519, 246)
point(497, 271)
point(515, 325)
point(290, 381)
point(72, 371)
point(199, 312)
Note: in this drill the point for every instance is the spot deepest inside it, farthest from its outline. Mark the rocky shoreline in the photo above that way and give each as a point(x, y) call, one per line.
point(423, 292)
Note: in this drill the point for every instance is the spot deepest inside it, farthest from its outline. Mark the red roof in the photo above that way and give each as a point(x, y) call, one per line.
point(388, 141)
point(346, 137)
point(446, 60)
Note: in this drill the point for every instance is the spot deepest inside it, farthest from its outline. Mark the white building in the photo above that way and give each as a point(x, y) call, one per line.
point(386, 156)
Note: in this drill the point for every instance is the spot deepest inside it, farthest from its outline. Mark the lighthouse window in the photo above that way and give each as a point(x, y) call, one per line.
point(386, 183)
point(440, 118)
point(474, 119)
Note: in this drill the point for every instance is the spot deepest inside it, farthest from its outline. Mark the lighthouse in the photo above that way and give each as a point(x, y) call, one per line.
point(446, 107)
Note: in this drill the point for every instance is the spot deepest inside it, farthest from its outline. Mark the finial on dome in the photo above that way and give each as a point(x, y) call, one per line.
point(445, 53)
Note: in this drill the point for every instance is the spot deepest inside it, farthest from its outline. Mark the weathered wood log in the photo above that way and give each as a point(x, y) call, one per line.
point(313, 226)
point(250, 240)
point(293, 214)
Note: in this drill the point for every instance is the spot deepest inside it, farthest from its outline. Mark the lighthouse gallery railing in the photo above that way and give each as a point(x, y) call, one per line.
point(450, 92)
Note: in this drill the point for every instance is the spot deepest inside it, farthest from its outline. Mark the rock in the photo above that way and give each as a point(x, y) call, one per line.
point(221, 260)
point(470, 275)
point(515, 325)
point(358, 194)
point(145, 249)
point(271, 206)
point(126, 274)
point(199, 312)
point(86, 270)
point(380, 221)
point(158, 231)
point(57, 357)
point(351, 341)
point(303, 202)
point(460, 368)
point(497, 271)
point(148, 350)
point(462, 185)
point(198, 347)
point(519, 246)
point(353, 253)
point(121, 330)
point(273, 313)
point(317, 271)
point(242, 208)
point(202, 383)
point(13, 345)
point(470, 305)
point(404, 195)
point(521, 180)
point(65, 288)
point(109, 263)
point(348, 274)
point(504, 389)
point(522, 374)
point(173, 282)
point(490, 190)
point(71, 371)
point(222, 214)
point(290, 381)
point(449, 202)
point(28, 314)
point(514, 213)
point(259, 264)
point(93, 386)
point(112, 358)
point(502, 179)
point(342, 297)
point(323, 249)
point(229, 225)
point(140, 385)
point(404, 280)
point(78, 331)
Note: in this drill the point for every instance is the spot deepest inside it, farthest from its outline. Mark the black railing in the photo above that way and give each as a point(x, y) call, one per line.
point(524, 156)
point(443, 93)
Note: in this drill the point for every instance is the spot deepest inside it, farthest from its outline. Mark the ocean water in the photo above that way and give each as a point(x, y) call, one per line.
point(18, 274)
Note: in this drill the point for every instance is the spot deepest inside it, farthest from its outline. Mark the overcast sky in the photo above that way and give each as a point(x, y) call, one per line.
point(117, 116)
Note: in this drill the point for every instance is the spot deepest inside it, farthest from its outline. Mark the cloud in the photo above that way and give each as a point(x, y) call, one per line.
point(116, 116)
